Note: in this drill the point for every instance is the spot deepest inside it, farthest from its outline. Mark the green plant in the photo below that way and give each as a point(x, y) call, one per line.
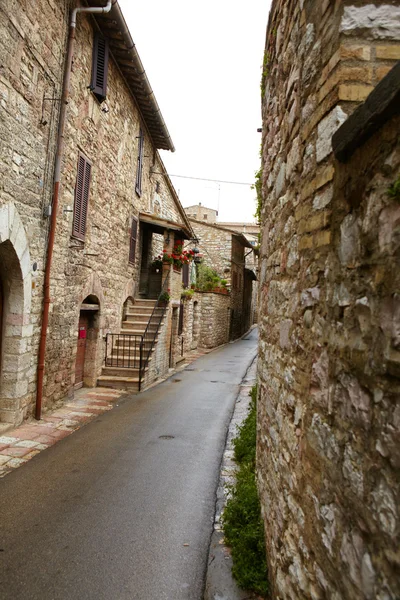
point(245, 442)
point(207, 279)
point(224, 282)
point(187, 293)
point(257, 186)
point(242, 523)
point(164, 297)
point(157, 262)
point(394, 189)
point(265, 72)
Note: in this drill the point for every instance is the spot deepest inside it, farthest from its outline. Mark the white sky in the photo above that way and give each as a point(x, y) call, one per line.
point(203, 61)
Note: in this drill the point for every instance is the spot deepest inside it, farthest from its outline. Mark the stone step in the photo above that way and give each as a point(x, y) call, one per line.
point(130, 347)
point(143, 310)
point(145, 302)
point(128, 383)
point(121, 372)
point(129, 327)
point(142, 318)
point(126, 354)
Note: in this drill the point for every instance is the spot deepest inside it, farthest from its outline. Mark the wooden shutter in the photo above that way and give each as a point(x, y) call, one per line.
point(180, 324)
point(82, 189)
point(132, 246)
point(185, 275)
point(98, 84)
point(138, 186)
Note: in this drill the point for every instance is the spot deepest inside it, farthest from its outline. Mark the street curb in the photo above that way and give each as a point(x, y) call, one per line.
point(220, 584)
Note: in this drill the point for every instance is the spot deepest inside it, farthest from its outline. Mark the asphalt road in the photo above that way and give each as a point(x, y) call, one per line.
point(124, 507)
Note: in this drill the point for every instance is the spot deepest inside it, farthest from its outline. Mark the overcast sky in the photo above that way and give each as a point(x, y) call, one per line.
point(203, 61)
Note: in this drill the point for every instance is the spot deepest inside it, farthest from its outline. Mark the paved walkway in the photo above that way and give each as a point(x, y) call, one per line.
point(19, 445)
point(220, 584)
point(124, 508)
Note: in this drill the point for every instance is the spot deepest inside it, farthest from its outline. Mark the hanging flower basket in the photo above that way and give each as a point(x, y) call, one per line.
point(178, 256)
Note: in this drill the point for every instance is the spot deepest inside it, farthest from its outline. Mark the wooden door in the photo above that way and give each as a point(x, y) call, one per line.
point(80, 354)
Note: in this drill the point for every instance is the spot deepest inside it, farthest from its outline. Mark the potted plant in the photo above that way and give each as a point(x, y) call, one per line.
point(164, 296)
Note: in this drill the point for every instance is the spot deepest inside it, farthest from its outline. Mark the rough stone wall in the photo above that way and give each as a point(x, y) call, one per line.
point(32, 47)
point(328, 437)
point(215, 245)
point(215, 317)
point(31, 66)
point(201, 213)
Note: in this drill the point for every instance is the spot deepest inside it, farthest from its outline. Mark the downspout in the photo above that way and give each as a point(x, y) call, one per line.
point(56, 188)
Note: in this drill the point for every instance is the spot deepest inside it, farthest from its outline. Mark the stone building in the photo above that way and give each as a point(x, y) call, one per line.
point(201, 213)
point(252, 233)
point(329, 364)
point(226, 251)
point(114, 212)
point(250, 230)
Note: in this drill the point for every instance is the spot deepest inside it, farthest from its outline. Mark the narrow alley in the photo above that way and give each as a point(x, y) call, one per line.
point(124, 507)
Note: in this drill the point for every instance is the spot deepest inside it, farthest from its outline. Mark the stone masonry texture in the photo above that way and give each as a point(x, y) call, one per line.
point(32, 54)
point(329, 304)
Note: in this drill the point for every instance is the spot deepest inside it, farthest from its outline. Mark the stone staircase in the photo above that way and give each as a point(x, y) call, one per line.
point(126, 350)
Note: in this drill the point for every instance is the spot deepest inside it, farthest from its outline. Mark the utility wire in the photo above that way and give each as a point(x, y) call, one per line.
point(202, 178)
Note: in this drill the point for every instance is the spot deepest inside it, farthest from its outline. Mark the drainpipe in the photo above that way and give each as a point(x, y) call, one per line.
point(56, 188)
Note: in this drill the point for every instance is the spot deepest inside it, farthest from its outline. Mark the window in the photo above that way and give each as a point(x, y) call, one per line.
point(82, 188)
point(138, 186)
point(205, 217)
point(132, 244)
point(98, 84)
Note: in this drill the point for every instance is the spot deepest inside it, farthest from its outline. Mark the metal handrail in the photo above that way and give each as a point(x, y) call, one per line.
point(155, 319)
point(121, 350)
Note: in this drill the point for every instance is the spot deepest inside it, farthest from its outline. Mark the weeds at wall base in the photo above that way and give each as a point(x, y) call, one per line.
point(242, 523)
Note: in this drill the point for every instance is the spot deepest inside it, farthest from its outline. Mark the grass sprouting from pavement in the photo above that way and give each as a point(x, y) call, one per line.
point(243, 526)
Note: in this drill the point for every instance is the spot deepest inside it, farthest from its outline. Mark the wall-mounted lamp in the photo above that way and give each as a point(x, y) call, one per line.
point(105, 108)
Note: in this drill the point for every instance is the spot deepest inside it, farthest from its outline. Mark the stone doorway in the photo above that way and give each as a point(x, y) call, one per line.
point(81, 351)
point(15, 321)
point(88, 359)
point(150, 280)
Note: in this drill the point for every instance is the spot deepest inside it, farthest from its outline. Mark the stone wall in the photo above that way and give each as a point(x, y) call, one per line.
point(32, 47)
point(215, 245)
point(328, 427)
point(215, 319)
point(31, 59)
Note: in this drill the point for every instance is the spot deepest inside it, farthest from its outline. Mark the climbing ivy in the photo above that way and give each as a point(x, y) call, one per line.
point(257, 186)
point(264, 75)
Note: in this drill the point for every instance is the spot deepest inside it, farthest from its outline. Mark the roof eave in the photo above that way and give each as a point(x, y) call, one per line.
point(123, 49)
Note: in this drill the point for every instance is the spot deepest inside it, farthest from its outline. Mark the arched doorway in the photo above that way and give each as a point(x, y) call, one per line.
point(15, 353)
point(87, 354)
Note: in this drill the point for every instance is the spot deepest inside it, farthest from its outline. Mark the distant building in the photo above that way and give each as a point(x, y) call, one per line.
point(201, 213)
